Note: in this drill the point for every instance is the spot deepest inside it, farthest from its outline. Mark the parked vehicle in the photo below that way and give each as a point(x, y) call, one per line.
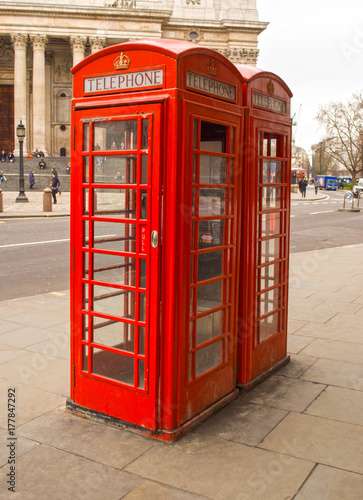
point(328, 182)
point(358, 188)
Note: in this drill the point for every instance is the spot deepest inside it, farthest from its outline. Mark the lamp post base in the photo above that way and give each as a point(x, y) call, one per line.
point(22, 198)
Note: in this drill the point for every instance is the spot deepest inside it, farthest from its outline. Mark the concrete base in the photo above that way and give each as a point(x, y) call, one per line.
point(160, 434)
point(355, 209)
point(264, 375)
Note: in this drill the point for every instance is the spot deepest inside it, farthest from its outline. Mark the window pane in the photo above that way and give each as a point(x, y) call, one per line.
point(213, 137)
point(115, 334)
point(145, 134)
point(85, 169)
point(209, 357)
point(115, 236)
point(112, 365)
point(212, 202)
point(115, 135)
point(115, 203)
point(86, 137)
point(211, 233)
point(209, 296)
point(115, 269)
point(141, 384)
point(270, 224)
point(269, 326)
point(268, 276)
point(210, 265)
point(270, 197)
point(269, 301)
point(144, 162)
point(209, 327)
point(270, 171)
point(212, 170)
point(114, 169)
point(113, 302)
point(270, 250)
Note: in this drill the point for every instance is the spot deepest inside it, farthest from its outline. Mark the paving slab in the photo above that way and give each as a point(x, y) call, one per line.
point(86, 438)
point(8, 353)
point(242, 422)
point(40, 371)
point(44, 319)
point(331, 349)
point(317, 315)
point(295, 324)
point(22, 445)
point(337, 373)
point(344, 405)
point(331, 332)
point(331, 484)
point(26, 336)
point(296, 343)
point(154, 491)
point(297, 366)
point(58, 347)
point(320, 440)
point(347, 321)
point(220, 469)
point(30, 402)
point(285, 393)
point(46, 473)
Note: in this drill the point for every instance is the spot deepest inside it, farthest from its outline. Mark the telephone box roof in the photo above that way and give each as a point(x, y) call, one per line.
point(250, 73)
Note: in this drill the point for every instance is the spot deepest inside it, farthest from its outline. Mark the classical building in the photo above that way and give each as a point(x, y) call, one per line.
point(40, 40)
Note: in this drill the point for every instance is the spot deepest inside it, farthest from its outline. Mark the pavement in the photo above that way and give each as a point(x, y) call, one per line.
point(298, 435)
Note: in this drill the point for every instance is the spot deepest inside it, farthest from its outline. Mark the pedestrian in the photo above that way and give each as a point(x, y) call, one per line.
point(54, 186)
point(42, 164)
point(3, 155)
point(302, 187)
point(54, 172)
point(316, 185)
point(68, 169)
point(10, 157)
point(31, 179)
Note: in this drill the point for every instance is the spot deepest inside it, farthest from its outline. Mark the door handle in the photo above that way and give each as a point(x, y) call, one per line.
point(154, 239)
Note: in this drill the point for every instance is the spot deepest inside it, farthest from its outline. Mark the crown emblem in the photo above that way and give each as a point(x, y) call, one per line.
point(122, 61)
point(212, 68)
point(270, 87)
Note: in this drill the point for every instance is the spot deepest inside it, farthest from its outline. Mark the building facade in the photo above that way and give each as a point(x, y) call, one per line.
point(40, 41)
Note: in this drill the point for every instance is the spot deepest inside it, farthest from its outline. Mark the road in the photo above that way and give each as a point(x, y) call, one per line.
point(34, 253)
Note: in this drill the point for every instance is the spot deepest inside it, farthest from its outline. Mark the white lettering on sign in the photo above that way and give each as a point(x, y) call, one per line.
point(271, 103)
point(210, 86)
point(139, 79)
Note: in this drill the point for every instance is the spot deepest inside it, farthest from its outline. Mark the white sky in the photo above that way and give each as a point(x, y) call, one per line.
point(316, 47)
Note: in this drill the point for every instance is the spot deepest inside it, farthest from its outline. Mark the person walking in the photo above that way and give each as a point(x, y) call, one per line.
point(54, 186)
point(302, 187)
point(31, 179)
point(316, 185)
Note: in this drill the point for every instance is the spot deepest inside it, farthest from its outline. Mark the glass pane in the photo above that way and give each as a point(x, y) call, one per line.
point(113, 302)
point(115, 203)
point(211, 233)
point(270, 250)
point(115, 269)
point(142, 273)
point(113, 365)
point(209, 357)
point(115, 236)
point(270, 171)
point(210, 265)
point(268, 276)
point(212, 202)
point(85, 169)
point(209, 296)
point(115, 334)
point(190, 367)
point(268, 301)
point(141, 340)
point(269, 326)
point(213, 137)
point(270, 224)
point(142, 305)
point(145, 134)
point(143, 194)
point(85, 358)
point(209, 327)
point(212, 170)
point(115, 135)
point(86, 137)
point(114, 169)
point(195, 169)
point(270, 197)
point(141, 384)
point(144, 162)
point(195, 134)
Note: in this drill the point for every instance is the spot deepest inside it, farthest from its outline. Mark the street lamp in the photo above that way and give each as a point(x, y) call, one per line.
point(20, 132)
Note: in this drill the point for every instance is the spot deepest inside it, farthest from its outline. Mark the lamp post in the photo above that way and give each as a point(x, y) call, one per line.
point(20, 132)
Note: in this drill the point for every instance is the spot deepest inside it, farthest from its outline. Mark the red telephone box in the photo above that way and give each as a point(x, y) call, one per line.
point(266, 195)
point(155, 211)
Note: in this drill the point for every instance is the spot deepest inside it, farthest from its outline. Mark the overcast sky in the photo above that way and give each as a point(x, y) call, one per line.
point(316, 47)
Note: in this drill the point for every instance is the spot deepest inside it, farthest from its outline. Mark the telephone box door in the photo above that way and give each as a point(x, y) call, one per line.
point(115, 230)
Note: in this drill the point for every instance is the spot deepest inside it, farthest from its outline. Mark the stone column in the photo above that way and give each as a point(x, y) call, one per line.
point(78, 44)
point(97, 43)
point(20, 109)
point(39, 43)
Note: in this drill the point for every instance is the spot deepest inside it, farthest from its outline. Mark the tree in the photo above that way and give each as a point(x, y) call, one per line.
point(344, 127)
point(322, 161)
